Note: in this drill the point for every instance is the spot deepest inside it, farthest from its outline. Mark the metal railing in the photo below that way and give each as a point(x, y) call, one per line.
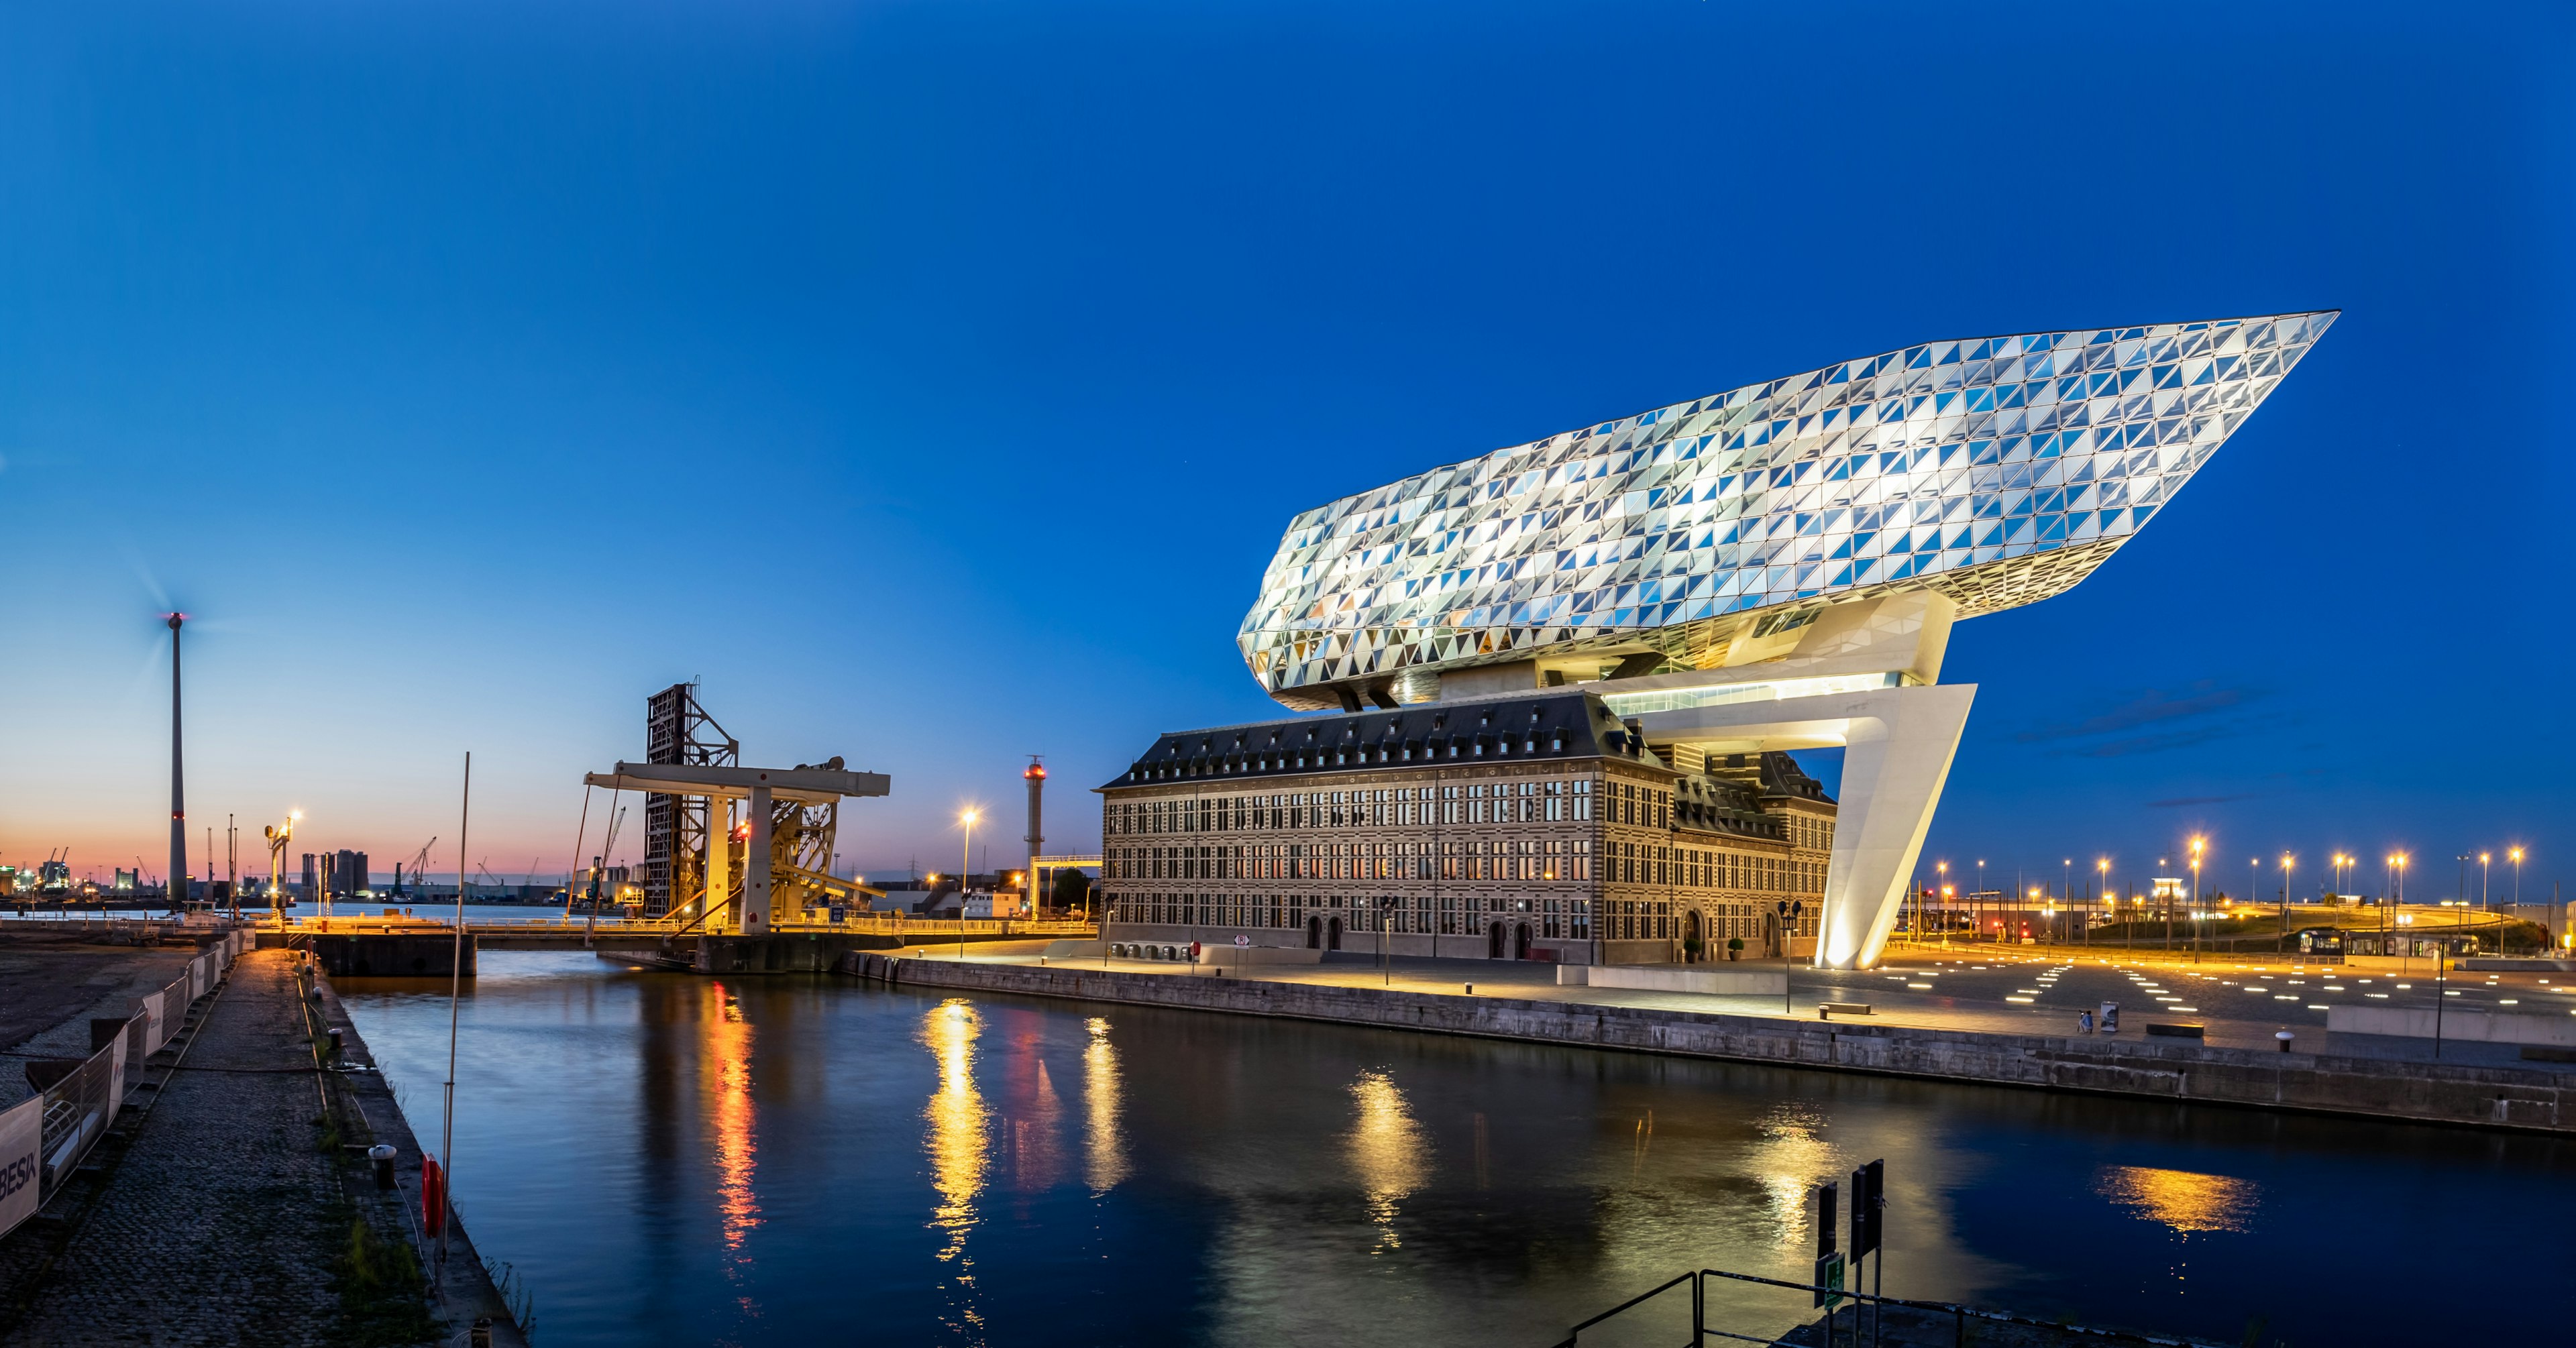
point(43, 1140)
point(1829, 1331)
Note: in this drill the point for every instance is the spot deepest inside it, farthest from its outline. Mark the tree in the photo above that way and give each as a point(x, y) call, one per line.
point(1072, 889)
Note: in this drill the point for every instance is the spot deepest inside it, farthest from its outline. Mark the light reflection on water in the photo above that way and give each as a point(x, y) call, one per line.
point(2179, 1199)
point(759, 1159)
point(1104, 1155)
point(728, 1088)
point(1388, 1154)
point(958, 1152)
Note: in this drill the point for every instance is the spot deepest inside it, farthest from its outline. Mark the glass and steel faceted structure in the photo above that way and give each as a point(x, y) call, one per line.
point(1773, 568)
point(1994, 471)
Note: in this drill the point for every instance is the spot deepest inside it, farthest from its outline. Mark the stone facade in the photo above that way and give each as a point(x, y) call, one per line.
point(1525, 826)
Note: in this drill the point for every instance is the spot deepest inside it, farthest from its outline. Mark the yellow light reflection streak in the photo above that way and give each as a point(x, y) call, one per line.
point(1388, 1153)
point(729, 1089)
point(2181, 1199)
point(1790, 1162)
point(958, 1147)
point(1105, 1154)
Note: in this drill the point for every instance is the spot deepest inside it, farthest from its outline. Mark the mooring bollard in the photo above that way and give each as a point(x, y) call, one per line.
point(335, 1043)
point(2285, 1037)
point(481, 1335)
point(383, 1155)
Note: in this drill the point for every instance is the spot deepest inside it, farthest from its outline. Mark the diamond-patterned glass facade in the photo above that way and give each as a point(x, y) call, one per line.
point(1996, 470)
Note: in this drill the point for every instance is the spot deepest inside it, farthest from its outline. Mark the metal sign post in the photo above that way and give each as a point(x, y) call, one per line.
point(1829, 1261)
point(1868, 1226)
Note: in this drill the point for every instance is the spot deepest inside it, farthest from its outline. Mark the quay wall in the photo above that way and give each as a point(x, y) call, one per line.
point(2171, 1071)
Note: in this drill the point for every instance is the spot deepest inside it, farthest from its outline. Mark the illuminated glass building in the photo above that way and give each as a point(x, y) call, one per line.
point(1772, 568)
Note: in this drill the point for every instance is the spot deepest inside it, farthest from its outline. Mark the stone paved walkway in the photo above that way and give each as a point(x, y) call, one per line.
point(219, 1226)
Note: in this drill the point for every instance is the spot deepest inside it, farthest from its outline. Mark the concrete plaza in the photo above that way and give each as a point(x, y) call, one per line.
point(2240, 1002)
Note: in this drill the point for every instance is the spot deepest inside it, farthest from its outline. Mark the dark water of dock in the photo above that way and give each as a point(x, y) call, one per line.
point(669, 1159)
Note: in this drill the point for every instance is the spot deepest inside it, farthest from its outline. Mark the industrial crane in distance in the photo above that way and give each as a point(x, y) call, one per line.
point(418, 861)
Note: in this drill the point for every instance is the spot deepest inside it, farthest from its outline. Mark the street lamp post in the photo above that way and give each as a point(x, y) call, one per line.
point(2397, 862)
point(1942, 868)
point(2485, 902)
point(2164, 864)
point(1790, 912)
point(2102, 869)
point(2285, 897)
point(2195, 900)
point(2514, 855)
point(965, 868)
point(2461, 926)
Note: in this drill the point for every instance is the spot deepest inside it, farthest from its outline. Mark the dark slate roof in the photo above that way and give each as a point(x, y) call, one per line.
point(1550, 724)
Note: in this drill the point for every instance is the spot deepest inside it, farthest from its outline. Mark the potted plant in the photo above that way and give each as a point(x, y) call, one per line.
point(1690, 948)
point(1735, 947)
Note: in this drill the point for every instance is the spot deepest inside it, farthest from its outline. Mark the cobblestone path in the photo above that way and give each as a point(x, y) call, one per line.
point(218, 1226)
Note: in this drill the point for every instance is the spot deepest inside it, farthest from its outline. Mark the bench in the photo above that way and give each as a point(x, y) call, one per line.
point(1828, 1010)
point(2177, 1031)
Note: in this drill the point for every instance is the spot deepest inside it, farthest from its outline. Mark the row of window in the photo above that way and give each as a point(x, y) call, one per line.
point(1440, 914)
point(1463, 859)
point(1530, 801)
point(1470, 859)
point(1419, 914)
point(1699, 868)
point(1383, 753)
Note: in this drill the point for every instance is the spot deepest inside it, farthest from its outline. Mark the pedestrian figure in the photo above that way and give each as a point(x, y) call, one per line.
point(2084, 1022)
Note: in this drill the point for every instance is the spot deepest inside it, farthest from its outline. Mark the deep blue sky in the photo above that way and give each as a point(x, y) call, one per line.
point(932, 381)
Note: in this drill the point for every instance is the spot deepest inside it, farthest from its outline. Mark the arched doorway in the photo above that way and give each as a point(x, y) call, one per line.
point(1333, 934)
point(1693, 949)
point(1494, 942)
point(1520, 942)
point(1314, 933)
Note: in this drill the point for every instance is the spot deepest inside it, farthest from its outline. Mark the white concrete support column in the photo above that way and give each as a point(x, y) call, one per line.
point(1898, 744)
point(1894, 766)
point(755, 867)
point(719, 856)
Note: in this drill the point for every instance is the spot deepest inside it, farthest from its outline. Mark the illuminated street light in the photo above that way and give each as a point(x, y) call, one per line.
point(2397, 866)
point(2285, 896)
point(2102, 891)
point(965, 867)
point(2514, 855)
point(2195, 898)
